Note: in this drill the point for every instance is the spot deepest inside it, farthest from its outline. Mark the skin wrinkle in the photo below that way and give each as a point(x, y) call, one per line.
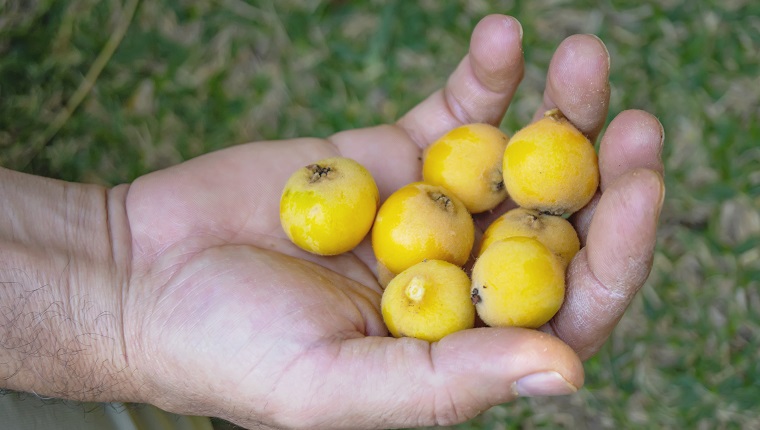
point(119, 232)
point(334, 360)
point(112, 205)
point(369, 297)
point(359, 327)
point(178, 280)
point(640, 212)
point(592, 303)
point(415, 137)
point(343, 351)
point(329, 354)
point(256, 378)
point(157, 309)
point(460, 108)
point(446, 411)
point(364, 278)
point(474, 90)
point(454, 108)
point(373, 320)
point(428, 373)
point(497, 84)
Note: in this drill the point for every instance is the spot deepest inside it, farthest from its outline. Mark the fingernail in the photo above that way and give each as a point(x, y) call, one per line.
point(662, 138)
point(662, 197)
point(543, 384)
point(606, 51)
point(510, 21)
point(519, 26)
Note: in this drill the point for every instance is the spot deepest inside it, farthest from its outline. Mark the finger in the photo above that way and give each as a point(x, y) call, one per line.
point(410, 383)
point(578, 83)
point(481, 87)
point(605, 275)
point(386, 151)
point(634, 139)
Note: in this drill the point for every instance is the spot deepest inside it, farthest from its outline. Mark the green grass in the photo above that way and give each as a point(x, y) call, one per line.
point(194, 76)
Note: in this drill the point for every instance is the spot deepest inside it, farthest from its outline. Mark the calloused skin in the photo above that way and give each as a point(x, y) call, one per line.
point(223, 316)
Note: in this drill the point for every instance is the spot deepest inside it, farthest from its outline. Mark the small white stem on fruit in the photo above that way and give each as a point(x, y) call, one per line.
point(416, 289)
point(554, 114)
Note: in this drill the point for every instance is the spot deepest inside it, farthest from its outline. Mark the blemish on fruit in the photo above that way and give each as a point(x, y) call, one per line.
point(497, 180)
point(318, 172)
point(328, 207)
point(467, 162)
point(552, 212)
point(475, 296)
point(442, 200)
point(554, 114)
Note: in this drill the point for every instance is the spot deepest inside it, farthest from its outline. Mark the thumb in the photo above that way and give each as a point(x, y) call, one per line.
point(385, 382)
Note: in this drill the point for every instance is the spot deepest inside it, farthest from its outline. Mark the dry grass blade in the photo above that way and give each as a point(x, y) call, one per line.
point(85, 87)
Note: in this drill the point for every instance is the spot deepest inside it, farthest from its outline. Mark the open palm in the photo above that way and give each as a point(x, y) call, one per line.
point(234, 321)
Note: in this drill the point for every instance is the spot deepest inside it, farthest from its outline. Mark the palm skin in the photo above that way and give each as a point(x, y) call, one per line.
point(224, 316)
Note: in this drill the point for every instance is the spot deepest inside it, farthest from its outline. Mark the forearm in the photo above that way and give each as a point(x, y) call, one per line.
point(61, 282)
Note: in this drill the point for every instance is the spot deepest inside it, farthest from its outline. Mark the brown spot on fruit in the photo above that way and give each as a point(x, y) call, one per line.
point(443, 201)
point(318, 172)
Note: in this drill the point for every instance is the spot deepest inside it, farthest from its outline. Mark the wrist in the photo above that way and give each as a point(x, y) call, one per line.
point(63, 276)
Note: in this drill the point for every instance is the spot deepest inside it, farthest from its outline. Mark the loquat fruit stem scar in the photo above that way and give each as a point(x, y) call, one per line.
point(497, 180)
point(554, 114)
point(532, 220)
point(553, 212)
point(416, 289)
point(442, 200)
point(317, 172)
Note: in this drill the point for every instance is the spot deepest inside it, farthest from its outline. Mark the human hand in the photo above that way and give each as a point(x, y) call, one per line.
point(223, 316)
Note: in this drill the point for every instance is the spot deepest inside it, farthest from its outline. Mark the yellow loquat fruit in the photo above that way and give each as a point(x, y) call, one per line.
point(428, 301)
point(467, 161)
point(555, 232)
point(550, 166)
point(328, 207)
point(517, 282)
point(422, 222)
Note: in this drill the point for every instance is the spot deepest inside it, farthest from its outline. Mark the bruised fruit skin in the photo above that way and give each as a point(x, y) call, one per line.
point(556, 233)
point(467, 161)
point(550, 166)
point(517, 282)
point(328, 207)
point(422, 222)
point(428, 301)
